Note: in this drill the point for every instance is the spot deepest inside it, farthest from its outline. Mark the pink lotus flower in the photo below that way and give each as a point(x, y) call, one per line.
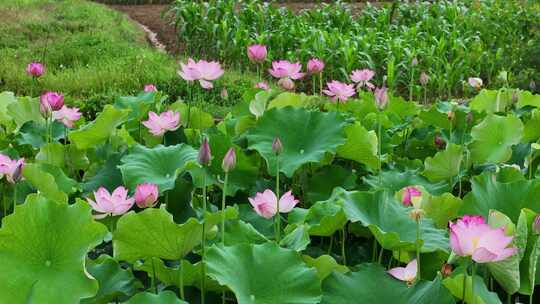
point(189, 71)
point(263, 85)
point(265, 203)
point(35, 69)
point(166, 121)
point(315, 66)
point(67, 115)
point(257, 53)
point(286, 69)
point(146, 195)
point(11, 168)
point(51, 101)
point(381, 97)
point(106, 204)
point(406, 274)
point(205, 153)
point(286, 84)
point(408, 194)
point(362, 78)
point(229, 160)
point(339, 91)
point(475, 82)
point(203, 71)
point(150, 88)
point(471, 236)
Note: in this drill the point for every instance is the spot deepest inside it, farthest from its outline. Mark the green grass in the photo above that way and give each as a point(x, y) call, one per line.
point(91, 53)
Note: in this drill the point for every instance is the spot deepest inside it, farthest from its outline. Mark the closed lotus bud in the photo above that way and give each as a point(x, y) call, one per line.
point(536, 224)
point(277, 147)
point(515, 96)
point(51, 101)
point(414, 61)
point(286, 83)
point(446, 270)
point(451, 115)
point(229, 161)
point(224, 93)
point(381, 97)
point(424, 79)
point(205, 154)
point(17, 173)
point(470, 118)
point(532, 85)
point(439, 142)
point(146, 195)
point(35, 69)
point(150, 88)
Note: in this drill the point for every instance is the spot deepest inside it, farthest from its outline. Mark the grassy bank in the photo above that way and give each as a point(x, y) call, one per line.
point(91, 53)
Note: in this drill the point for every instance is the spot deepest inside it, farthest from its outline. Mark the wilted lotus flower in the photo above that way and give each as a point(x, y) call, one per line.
point(35, 69)
point(446, 270)
point(150, 88)
point(166, 121)
point(339, 91)
point(51, 101)
point(205, 154)
point(381, 98)
point(406, 274)
point(409, 194)
point(424, 78)
point(229, 160)
point(475, 82)
point(203, 71)
point(277, 147)
point(67, 115)
point(471, 236)
point(146, 195)
point(286, 69)
point(11, 168)
point(257, 53)
point(536, 225)
point(362, 78)
point(116, 203)
point(315, 66)
point(286, 83)
point(262, 85)
point(265, 203)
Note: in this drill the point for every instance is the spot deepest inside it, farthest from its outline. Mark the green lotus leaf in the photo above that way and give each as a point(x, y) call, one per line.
point(152, 233)
point(286, 99)
point(296, 237)
point(526, 98)
point(108, 175)
point(389, 220)
point(24, 110)
point(509, 198)
point(44, 182)
point(198, 119)
point(494, 137)
point(238, 231)
point(371, 284)
point(114, 282)
point(159, 165)
point(491, 101)
point(397, 106)
point(34, 134)
point(530, 263)
point(323, 218)
point(444, 165)
point(531, 131)
point(482, 295)
point(164, 297)
point(306, 137)
point(435, 116)
point(99, 131)
point(6, 98)
point(395, 181)
point(264, 274)
point(361, 146)
point(442, 209)
point(43, 248)
point(324, 265)
point(138, 106)
point(325, 179)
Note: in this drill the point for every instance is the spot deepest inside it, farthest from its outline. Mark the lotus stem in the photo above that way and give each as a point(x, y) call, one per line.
point(320, 83)
point(154, 285)
point(203, 241)
point(190, 96)
point(223, 208)
point(418, 247)
point(379, 131)
point(313, 85)
point(343, 245)
point(473, 271)
point(331, 244)
point(411, 85)
point(181, 279)
point(374, 252)
point(278, 219)
point(464, 284)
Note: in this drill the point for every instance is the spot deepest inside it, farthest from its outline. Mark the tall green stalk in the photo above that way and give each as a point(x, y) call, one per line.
point(473, 272)
point(418, 247)
point(278, 219)
point(154, 285)
point(344, 236)
point(379, 131)
point(181, 279)
point(203, 244)
point(223, 207)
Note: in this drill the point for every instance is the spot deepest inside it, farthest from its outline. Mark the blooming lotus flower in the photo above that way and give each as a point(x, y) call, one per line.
point(257, 53)
point(150, 88)
point(209, 71)
point(339, 91)
point(471, 236)
point(315, 66)
point(475, 82)
point(286, 83)
point(286, 69)
point(265, 203)
point(263, 85)
point(362, 78)
point(67, 115)
point(11, 168)
point(189, 71)
point(229, 160)
point(35, 69)
point(406, 274)
point(166, 121)
point(381, 98)
point(146, 195)
point(409, 193)
point(106, 203)
point(51, 101)
point(205, 153)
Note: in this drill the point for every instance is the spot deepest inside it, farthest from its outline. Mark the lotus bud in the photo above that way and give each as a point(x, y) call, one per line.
point(224, 93)
point(439, 142)
point(451, 115)
point(35, 69)
point(536, 225)
point(277, 147)
point(446, 270)
point(146, 195)
point(205, 154)
point(286, 83)
point(150, 88)
point(381, 98)
point(17, 173)
point(257, 53)
point(424, 79)
point(532, 85)
point(51, 101)
point(229, 161)
point(469, 118)
point(414, 61)
point(315, 66)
